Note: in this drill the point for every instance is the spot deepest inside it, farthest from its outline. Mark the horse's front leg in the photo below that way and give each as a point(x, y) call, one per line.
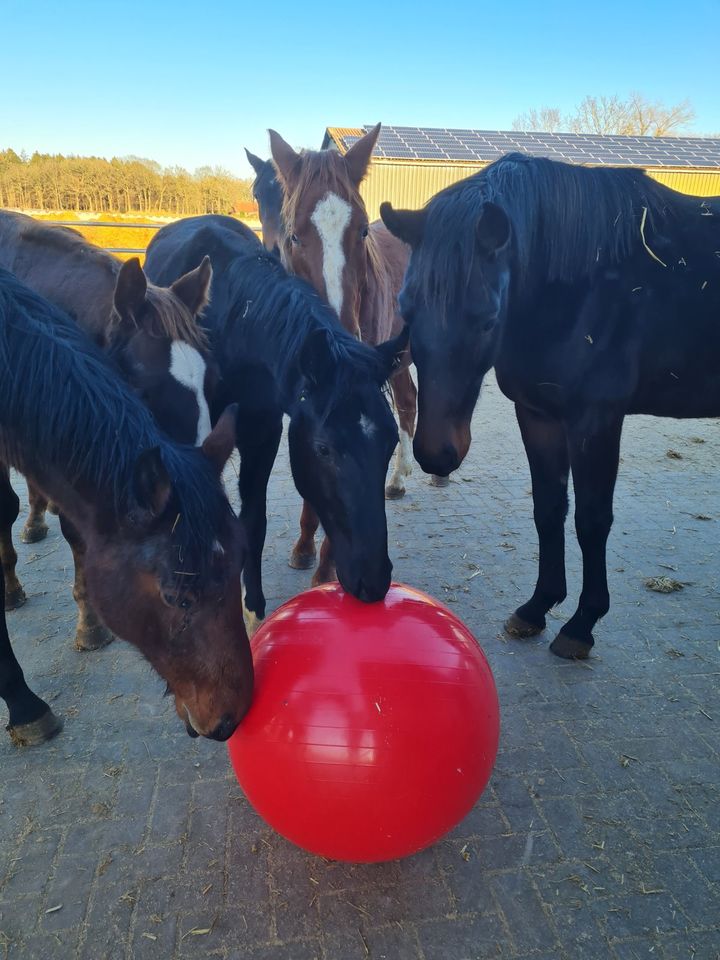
point(405, 396)
point(256, 462)
point(91, 633)
point(545, 443)
point(31, 719)
point(35, 528)
point(594, 459)
point(325, 572)
point(9, 509)
point(304, 553)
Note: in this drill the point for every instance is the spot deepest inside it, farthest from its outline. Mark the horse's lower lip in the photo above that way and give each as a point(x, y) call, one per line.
point(192, 732)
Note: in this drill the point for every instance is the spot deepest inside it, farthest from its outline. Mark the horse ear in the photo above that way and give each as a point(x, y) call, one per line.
point(222, 439)
point(406, 225)
point(130, 289)
point(493, 229)
point(151, 482)
point(391, 352)
point(357, 159)
point(316, 359)
point(193, 288)
point(286, 159)
point(256, 163)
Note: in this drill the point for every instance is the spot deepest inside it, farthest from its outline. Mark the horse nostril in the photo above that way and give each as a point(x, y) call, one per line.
point(225, 729)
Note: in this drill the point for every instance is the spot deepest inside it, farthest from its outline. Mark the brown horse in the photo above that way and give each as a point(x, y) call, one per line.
point(152, 333)
point(358, 268)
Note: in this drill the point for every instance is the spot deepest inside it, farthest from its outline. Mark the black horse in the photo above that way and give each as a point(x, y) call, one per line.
point(268, 193)
point(595, 293)
point(280, 349)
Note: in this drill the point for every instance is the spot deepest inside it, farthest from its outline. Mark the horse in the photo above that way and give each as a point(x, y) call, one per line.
point(594, 293)
point(163, 548)
point(151, 332)
point(267, 192)
point(357, 268)
point(281, 350)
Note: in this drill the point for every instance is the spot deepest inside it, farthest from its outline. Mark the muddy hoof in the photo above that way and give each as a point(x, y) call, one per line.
point(14, 598)
point(93, 639)
point(39, 731)
point(393, 492)
point(34, 533)
point(515, 626)
point(302, 561)
point(570, 649)
point(439, 481)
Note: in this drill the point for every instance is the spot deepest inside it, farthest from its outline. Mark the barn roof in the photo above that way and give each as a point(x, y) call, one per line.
point(484, 146)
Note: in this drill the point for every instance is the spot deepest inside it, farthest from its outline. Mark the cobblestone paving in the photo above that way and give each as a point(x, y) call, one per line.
point(598, 837)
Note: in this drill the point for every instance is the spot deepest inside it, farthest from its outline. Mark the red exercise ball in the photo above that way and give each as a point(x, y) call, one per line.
point(374, 727)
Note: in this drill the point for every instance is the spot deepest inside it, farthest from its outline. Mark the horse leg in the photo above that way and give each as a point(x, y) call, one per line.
point(91, 633)
point(325, 572)
point(594, 460)
point(9, 509)
point(405, 396)
point(256, 462)
point(304, 553)
point(546, 448)
point(31, 719)
point(35, 528)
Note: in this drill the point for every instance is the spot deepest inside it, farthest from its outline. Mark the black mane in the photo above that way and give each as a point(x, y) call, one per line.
point(62, 403)
point(566, 220)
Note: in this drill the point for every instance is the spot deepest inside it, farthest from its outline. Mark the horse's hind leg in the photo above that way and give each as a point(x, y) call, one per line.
point(35, 528)
point(31, 719)
point(405, 396)
point(304, 553)
point(90, 634)
point(9, 509)
point(325, 572)
point(545, 443)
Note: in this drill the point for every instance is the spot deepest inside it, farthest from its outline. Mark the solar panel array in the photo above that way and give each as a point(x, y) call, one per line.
point(473, 146)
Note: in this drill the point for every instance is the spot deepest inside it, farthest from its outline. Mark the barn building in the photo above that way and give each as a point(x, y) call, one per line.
point(411, 164)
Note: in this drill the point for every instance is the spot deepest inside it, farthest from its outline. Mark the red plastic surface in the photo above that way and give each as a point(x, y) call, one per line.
point(374, 727)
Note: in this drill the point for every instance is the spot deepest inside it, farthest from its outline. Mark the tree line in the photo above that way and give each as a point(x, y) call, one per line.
point(120, 185)
point(634, 116)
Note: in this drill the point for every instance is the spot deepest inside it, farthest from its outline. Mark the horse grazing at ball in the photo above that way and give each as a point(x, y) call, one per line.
point(281, 350)
point(595, 293)
point(163, 548)
point(357, 267)
point(268, 193)
point(151, 332)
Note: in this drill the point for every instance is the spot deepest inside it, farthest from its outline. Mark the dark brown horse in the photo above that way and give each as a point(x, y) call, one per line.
point(163, 548)
point(152, 333)
point(358, 268)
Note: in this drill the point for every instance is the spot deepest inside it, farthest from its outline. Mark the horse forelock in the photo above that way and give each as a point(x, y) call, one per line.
point(169, 318)
point(318, 172)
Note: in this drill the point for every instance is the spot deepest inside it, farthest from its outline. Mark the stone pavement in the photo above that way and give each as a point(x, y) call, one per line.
point(599, 836)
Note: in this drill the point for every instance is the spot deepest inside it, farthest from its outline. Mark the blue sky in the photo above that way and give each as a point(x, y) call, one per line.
point(193, 83)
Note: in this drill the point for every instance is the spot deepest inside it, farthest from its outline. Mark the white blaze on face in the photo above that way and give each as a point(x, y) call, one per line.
point(367, 426)
point(330, 218)
point(188, 368)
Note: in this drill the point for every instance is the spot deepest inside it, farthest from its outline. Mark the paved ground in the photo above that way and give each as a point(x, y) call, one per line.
point(598, 837)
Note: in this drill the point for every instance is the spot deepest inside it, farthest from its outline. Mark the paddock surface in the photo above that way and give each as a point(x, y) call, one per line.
point(599, 836)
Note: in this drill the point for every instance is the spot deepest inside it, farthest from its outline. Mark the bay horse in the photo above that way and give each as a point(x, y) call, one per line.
point(151, 332)
point(163, 548)
point(595, 293)
point(267, 192)
point(357, 267)
point(281, 350)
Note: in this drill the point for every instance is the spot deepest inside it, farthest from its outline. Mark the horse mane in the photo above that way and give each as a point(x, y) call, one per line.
point(567, 220)
point(63, 404)
point(170, 317)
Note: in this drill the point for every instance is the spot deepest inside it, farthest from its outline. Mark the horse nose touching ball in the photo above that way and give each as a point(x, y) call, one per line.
point(374, 727)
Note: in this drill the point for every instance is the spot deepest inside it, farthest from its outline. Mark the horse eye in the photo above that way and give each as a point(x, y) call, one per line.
point(323, 450)
point(175, 600)
point(294, 238)
point(364, 233)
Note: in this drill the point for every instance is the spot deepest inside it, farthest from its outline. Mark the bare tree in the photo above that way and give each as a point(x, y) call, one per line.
point(635, 116)
point(547, 119)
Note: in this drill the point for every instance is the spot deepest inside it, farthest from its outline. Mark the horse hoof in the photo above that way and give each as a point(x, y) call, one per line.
point(323, 576)
point(34, 533)
point(394, 492)
point(439, 481)
point(570, 649)
point(515, 626)
point(39, 731)
point(252, 621)
point(302, 561)
point(93, 639)
point(14, 598)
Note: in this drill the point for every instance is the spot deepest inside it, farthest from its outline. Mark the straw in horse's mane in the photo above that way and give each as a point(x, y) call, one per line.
point(566, 221)
point(64, 406)
point(169, 316)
